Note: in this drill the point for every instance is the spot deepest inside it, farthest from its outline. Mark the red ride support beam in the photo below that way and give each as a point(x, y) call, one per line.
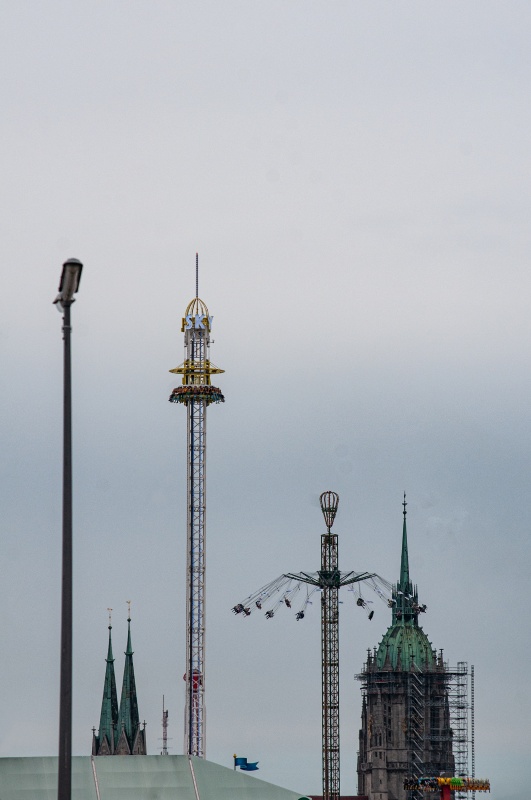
point(445, 793)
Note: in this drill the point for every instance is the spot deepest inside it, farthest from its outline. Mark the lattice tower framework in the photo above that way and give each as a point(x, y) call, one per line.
point(459, 713)
point(330, 666)
point(196, 393)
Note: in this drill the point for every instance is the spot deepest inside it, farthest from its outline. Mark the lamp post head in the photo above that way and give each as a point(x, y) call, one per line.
point(329, 503)
point(69, 283)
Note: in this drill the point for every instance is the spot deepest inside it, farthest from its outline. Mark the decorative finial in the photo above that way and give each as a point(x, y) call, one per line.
point(128, 610)
point(197, 274)
point(404, 504)
point(329, 503)
point(110, 617)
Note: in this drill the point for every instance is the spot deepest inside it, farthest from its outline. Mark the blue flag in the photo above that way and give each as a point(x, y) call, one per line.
point(245, 765)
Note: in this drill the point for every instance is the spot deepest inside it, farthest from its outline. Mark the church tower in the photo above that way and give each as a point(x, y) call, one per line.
point(120, 733)
point(405, 720)
point(131, 740)
point(103, 743)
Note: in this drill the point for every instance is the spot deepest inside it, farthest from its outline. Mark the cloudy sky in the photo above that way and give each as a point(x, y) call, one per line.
point(355, 177)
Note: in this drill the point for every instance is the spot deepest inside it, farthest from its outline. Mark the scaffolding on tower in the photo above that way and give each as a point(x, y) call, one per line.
point(196, 393)
point(421, 703)
point(459, 714)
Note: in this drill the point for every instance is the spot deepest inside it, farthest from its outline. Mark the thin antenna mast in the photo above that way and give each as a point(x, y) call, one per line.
point(197, 275)
point(164, 729)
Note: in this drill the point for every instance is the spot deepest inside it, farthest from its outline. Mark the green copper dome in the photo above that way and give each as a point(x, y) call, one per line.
point(405, 644)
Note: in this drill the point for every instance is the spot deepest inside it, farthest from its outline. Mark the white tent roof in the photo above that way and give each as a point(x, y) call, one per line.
point(134, 778)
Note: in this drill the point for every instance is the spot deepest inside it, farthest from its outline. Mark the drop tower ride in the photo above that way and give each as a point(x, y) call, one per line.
point(196, 393)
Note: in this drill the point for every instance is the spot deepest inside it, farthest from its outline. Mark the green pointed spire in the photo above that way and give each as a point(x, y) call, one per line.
point(404, 595)
point(109, 703)
point(129, 649)
point(404, 561)
point(128, 719)
point(405, 643)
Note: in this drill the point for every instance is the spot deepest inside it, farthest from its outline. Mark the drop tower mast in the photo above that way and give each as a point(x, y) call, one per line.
point(196, 393)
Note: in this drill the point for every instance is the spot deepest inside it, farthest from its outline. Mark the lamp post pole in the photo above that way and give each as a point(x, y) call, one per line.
point(68, 286)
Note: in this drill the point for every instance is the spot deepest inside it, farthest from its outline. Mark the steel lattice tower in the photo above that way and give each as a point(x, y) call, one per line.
point(331, 579)
point(327, 581)
point(196, 393)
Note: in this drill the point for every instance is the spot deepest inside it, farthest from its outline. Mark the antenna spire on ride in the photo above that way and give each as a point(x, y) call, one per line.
point(196, 393)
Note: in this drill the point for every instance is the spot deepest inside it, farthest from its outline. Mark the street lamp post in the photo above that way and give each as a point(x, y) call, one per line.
point(68, 286)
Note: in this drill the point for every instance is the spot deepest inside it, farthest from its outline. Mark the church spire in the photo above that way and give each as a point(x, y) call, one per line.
point(128, 719)
point(130, 739)
point(103, 744)
point(404, 561)
point(405, 605)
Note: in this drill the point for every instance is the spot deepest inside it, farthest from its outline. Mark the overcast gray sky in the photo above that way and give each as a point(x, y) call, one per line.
point(355, 176)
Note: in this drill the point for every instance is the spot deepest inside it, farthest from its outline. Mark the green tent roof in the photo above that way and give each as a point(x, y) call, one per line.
point(134, 778)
